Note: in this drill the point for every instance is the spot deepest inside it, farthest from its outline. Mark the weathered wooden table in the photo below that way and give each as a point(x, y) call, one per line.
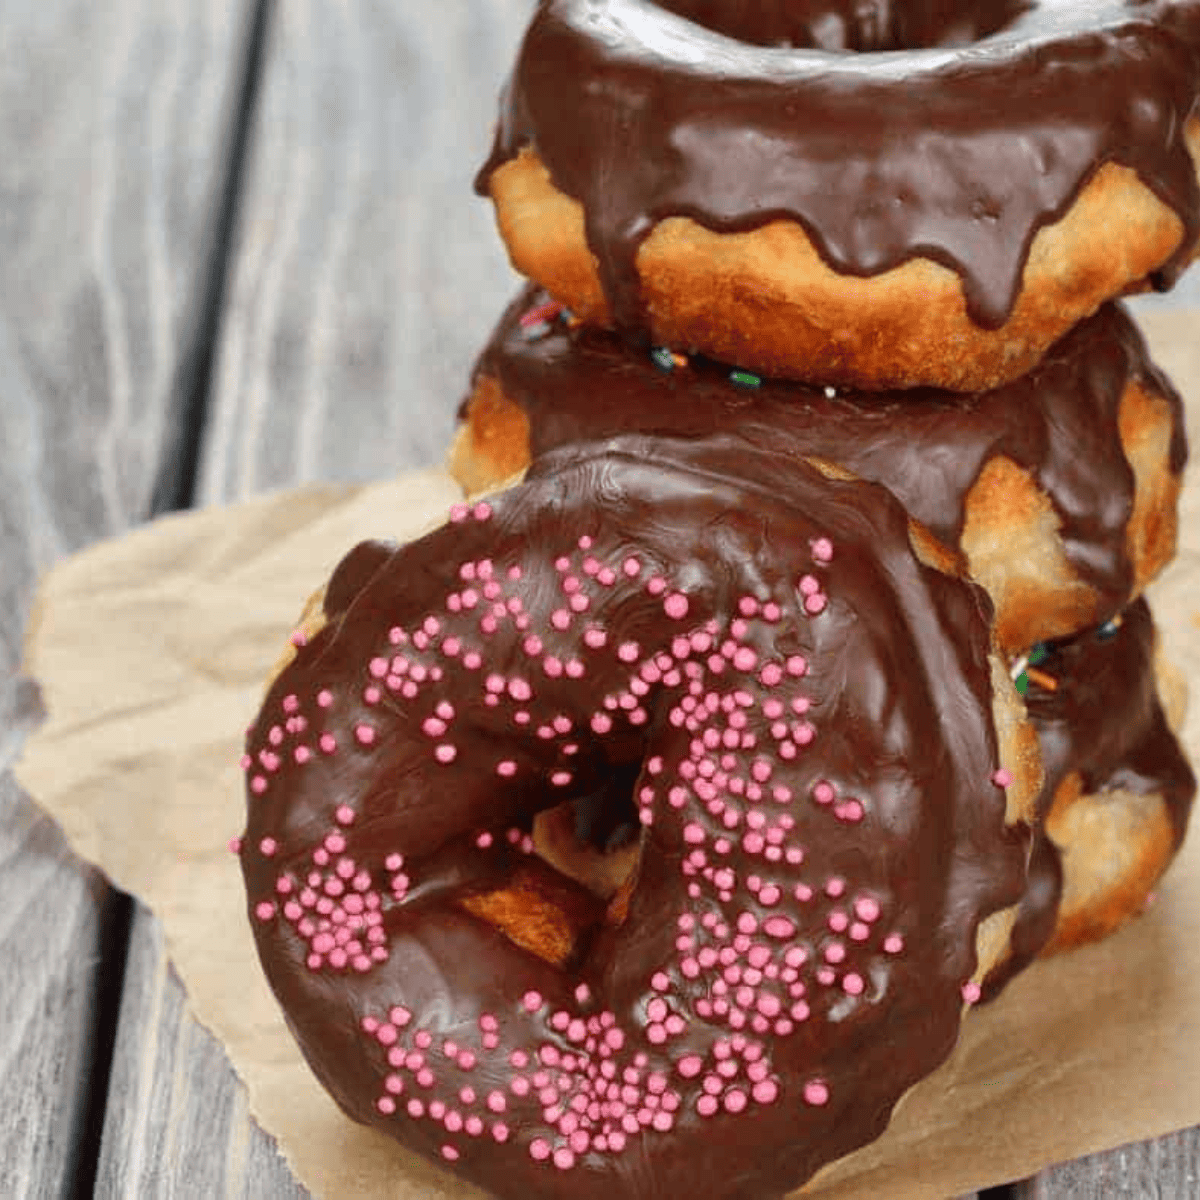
point(238, 251)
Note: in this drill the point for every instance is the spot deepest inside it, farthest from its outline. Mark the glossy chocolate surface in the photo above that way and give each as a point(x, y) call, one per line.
point(1103, 721)
point(914, 148)
point(1059, 423)
point(808, 710)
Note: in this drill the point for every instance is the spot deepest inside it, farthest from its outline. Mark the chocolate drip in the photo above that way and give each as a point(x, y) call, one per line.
point(704, 555)
point(1105, 722)
point(882, 157)
point(1059, 423)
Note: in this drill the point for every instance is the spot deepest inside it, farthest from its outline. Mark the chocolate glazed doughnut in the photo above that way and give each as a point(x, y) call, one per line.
point(1118, 793)
point(936, 211)
point(802, 714)
point(1060, 489)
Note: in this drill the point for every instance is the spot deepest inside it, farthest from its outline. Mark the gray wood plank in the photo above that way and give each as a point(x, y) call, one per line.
point(1167, 1168)
point(367, 271)
point(111, 121)
point(365, 275)
point(170, 1131)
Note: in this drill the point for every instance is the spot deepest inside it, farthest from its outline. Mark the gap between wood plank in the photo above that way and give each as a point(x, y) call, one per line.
point(175, 486)
point(174, 489)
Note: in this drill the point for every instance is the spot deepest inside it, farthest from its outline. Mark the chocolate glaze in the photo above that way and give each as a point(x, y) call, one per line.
point(1059, 422)
point(913, 150)
point(704, 570)
point(1104, 721)
point(848, 24)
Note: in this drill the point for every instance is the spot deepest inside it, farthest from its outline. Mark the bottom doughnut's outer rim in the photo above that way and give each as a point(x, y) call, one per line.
point(766, 301)
point(263, 866)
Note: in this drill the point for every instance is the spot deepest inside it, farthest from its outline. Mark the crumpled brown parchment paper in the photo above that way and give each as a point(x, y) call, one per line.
point(151, 651)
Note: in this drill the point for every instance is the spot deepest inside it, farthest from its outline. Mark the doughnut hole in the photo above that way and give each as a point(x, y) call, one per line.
point(541, 910)
point(594, 840)
point(845, 24)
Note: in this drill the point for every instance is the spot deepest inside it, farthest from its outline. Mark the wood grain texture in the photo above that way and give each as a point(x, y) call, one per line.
point(367, 272)
point(1167, 1168)
point(111, 123)
point(177, 1123)
point(359, 248)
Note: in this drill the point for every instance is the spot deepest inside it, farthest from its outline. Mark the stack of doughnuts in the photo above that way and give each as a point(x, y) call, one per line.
point(785, 684)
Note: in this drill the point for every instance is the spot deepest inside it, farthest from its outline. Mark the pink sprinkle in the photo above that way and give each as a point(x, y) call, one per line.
point(771, 675)
point(853, 984)
point(822, 550)
point(744, 659)
point(893, 943)
point(445, 753)
point(539, 1149)
point(364, 733)
point(506, 768)
point(676, 606)
point(532, 1001)
point(816, 1092)
point(264, 910)
point(1002, 777)
point(971, 991)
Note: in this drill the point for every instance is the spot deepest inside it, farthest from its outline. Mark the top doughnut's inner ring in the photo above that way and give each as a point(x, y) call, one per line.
point(848, 25)
point(752, 201)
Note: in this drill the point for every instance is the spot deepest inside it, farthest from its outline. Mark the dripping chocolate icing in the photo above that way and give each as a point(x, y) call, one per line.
point(1105, 722)
point(1059, 423)
point(720, 522)
point(912, 149)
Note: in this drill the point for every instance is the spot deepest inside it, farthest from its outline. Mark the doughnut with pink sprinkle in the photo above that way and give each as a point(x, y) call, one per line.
point(812, 735)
